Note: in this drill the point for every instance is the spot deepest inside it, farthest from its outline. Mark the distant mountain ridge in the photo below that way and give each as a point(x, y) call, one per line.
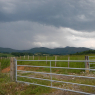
point(66, 50)
point(9, 50)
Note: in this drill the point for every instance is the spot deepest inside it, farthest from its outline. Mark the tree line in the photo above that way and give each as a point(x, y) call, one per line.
point(85, 52)
point(21, 54)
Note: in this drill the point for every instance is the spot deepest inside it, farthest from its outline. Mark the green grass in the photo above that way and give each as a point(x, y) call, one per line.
point(64, 85)
point(22, 89)
point(5, 54)
point(43, 82)
point(61, 71)
point(5, 63)
point(6, 87)
point(4, 78)
point(58, 64)
point(12, 88)
point(60, 57)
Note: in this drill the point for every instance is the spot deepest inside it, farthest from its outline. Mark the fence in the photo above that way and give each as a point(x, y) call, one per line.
point(93, 64)
point(15, 76)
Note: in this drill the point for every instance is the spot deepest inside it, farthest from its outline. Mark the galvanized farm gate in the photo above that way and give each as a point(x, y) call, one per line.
point(93, 64)
point(51, 74)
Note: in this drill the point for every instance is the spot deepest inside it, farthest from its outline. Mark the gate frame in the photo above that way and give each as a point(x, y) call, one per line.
point(13, 73)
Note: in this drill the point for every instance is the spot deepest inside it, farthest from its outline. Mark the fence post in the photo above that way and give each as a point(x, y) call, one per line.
point(87, 64)
point(55, 60)
point(13, 69)
point(50, 73)
point(24, 56)
point(46, 59)
point(68, 61)
point(1, 58)
point(28, 57)
point(33, 57)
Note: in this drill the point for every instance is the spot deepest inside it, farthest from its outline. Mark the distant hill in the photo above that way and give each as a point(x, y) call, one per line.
point(66, 50)
point(9, 50)
point(85, 52)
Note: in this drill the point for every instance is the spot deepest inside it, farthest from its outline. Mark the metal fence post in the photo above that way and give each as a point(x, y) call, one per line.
point(13, 70)
point(50, 73)
point(16, 69)
point(87, 64)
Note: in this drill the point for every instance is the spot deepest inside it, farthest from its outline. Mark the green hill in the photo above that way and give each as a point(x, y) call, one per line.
point(60, 51)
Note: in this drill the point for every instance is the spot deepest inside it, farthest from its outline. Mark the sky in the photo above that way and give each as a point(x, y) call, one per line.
point(25, 24)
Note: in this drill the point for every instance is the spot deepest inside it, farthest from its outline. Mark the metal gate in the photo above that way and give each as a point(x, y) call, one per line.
point(92, 65)
point(20, 73)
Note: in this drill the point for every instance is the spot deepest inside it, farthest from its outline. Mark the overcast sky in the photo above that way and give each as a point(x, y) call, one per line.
point(25, 24)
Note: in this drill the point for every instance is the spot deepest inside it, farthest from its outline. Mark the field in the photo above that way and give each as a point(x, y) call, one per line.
point(6, 54)
point(23, 89)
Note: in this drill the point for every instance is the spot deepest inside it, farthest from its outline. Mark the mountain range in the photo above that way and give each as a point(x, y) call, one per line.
point(66, 50)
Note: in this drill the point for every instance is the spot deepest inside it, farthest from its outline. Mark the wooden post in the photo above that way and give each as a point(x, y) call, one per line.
point(33, 57)
point(1, 58)
point(68, 61)
point(28, 57)
point(24, 56)
point(46, 59)
point(55, 60)
point(13, 69)
point(87, 64)
point(0, 67)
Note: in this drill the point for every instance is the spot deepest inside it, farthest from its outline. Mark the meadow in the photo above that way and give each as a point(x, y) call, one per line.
point(8, 88)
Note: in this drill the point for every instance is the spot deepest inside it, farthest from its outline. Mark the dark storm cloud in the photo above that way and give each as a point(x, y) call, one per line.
point(75, 14)
point(25, 24)
point(26, 35)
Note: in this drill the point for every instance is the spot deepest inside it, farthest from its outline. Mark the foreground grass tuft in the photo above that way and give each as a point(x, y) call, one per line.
point(12, 88)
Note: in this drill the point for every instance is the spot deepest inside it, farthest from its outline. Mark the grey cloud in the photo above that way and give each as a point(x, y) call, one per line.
point(75, 14)
point(26, 35)
point(81, 34)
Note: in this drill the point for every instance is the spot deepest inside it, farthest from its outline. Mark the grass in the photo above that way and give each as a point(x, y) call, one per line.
point(6, 54)
point(5, 63)
point(4, 78)
point(12, 88)
point(8, 88)
point(61, 71)
point(58, 64)
point(23, 89)
point(64, 85)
